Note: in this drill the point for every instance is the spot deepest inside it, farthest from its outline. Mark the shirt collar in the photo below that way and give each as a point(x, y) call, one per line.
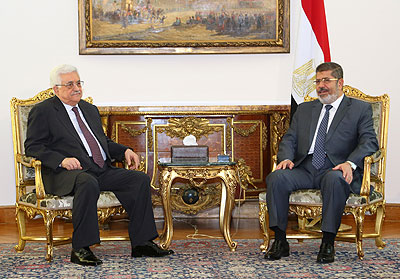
point(336, 103)
point(69, 107)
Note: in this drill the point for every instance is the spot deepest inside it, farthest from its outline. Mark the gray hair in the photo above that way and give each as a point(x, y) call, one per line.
point(59, 70)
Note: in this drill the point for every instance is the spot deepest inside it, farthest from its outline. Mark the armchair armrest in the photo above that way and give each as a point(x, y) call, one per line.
point(274, 159)
point(368, 161)
point(141, 167)
point(31, 162)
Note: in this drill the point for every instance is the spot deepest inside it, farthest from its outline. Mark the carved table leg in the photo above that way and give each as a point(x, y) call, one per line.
point(166, 180)
point(227, 203)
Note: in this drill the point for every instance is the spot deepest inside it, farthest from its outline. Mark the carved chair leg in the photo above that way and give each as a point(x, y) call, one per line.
point(380, 215)
point(48, 220)
point(21, 221)
point(359, 215)
point(302, 223)
point(264, 223)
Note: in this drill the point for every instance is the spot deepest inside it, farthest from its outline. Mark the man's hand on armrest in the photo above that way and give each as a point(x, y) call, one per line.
point(132, 159)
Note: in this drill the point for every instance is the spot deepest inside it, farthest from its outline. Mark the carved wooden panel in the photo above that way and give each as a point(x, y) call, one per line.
point(245, 133)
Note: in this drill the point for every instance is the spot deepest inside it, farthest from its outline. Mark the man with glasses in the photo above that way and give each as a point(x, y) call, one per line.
point(324, 149)
point(66, 134)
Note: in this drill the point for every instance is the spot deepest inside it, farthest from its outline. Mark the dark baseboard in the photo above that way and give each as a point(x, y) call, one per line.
point(7, 213)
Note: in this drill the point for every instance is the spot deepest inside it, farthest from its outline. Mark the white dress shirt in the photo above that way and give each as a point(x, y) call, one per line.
point(74, 121)
point(332, 113)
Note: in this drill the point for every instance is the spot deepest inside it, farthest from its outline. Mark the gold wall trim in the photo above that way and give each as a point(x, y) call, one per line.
point(134, 133)
point(183, 127)
point(191, 110)
point(262, 137)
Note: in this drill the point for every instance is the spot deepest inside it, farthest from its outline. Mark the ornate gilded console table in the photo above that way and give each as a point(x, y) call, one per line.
point(248, 134)
point(198, 174)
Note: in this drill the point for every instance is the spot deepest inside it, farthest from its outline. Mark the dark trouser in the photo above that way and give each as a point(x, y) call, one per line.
point(132, 188)
point(334, 190)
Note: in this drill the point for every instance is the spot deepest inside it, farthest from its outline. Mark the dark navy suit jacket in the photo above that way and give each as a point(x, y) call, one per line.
point(350, 137)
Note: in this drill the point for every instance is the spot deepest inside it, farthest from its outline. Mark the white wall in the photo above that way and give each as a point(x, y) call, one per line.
point(38, 35)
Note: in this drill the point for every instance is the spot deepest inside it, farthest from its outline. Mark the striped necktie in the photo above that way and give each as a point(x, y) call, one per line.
point(94, 147)
point(318, 159)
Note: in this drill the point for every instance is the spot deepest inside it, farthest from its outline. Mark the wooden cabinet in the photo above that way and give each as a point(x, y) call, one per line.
point(248, 134)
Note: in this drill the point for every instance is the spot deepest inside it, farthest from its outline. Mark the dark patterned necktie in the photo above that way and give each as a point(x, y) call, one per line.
point(94, 147)
point(318, 159)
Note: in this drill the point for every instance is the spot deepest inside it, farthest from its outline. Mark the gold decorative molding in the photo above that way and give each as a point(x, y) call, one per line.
point(279, 122)
point(245, 174)
point(245, 132)
point(183, 127)
point(228, 111)
point(133, 132)
point(149, 134)
point(264, 136)
point(90, 41)
point(252, 129)
point(209, 196)
point(229, 125)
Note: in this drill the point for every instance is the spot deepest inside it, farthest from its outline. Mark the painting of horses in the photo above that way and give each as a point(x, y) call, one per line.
point(183, 26)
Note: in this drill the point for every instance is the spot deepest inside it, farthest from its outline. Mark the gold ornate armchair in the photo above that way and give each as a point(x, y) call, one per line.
point(31, 198)
point(307, 204)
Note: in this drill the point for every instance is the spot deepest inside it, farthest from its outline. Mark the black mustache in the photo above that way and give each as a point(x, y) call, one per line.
point(321, 90)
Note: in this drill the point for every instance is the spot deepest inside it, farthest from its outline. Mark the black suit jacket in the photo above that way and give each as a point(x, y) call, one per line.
point(350, 137)
point(51, 137)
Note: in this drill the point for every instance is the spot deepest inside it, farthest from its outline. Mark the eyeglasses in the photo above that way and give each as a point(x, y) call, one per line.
point(71, 84)
point(324, 80)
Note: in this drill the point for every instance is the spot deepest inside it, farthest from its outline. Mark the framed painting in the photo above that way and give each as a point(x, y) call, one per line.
point(183, 26)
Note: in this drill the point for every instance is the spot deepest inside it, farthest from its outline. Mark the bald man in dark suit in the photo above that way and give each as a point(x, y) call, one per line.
point(330, 160)
point(66, 134)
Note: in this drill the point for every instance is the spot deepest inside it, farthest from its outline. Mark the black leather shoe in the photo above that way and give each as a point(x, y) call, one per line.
point(326, 253)
point(278, 249)
point(150, 249)
point(84, 256)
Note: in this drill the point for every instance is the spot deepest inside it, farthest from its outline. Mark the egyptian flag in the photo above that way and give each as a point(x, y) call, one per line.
point(312, 49)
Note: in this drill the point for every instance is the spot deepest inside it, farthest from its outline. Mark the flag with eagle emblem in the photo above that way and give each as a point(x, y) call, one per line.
point(312, 49)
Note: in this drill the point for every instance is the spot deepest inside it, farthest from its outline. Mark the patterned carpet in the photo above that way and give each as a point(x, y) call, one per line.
point(205, 259)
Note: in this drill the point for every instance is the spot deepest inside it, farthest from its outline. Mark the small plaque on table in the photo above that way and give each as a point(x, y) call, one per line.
point(189, 154)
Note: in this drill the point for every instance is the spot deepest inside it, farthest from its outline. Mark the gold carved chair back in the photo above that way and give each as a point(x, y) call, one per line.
point(31, 198)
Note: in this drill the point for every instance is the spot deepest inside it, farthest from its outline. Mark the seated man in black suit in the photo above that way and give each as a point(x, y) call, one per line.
point(66, 134)
point(324, 149)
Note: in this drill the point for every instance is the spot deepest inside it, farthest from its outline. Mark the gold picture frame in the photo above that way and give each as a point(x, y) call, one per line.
point(183, 26)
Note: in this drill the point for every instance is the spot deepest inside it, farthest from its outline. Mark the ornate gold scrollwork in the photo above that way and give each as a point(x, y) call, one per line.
point(245, 174)
point(264, 136)
point(104, 122)
point(183, 127)
point(133, 132)
point(104, 214)
point(279, 126)
point(229, 125)
point(149, 134)
point(249, 131)
point(306, 211)
point(46, 94)
point(209, 196)
point(245, 132)
point(142, 165)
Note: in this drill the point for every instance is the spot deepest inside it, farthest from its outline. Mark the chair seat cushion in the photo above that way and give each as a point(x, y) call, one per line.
point(312, 196)
point(106, 199)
